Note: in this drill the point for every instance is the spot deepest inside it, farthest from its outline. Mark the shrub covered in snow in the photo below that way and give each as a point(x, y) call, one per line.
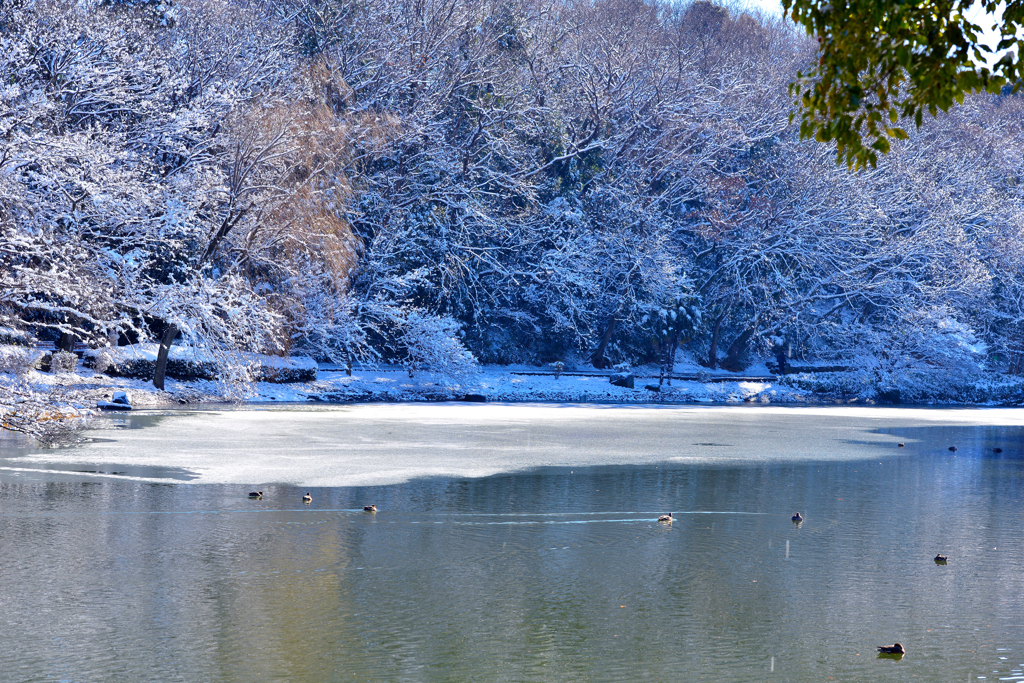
point(63, 362)
point(916, 385)
point(99, 361)
point(432, 345)
point(839, 385)
point(17, 360)
point(14, 337)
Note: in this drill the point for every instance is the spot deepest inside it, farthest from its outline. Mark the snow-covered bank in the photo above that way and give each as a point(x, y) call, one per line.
point(84, 388)
point(100, 374)
point(519, 384)
point(690, 385)
point(495, 383)
point(138, 361)
point(34, 394)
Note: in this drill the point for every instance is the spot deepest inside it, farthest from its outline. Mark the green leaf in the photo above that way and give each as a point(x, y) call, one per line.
point(903, 56)
point(896, 57)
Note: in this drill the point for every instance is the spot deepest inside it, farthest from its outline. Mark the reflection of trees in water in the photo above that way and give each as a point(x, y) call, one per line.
point(556, 573)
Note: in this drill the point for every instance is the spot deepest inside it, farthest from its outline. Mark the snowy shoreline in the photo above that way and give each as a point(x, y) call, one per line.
point(509, 384)
point(69, 397)
point(78, 393)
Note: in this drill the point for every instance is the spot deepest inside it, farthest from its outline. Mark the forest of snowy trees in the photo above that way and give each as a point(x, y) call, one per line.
point(505, 181)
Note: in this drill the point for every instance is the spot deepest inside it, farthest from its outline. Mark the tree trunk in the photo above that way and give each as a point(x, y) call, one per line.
point(170, 332)
point(597, 358)
point(780, 360)
point(66, 342)
point(731, 362)
point(661, 366)
point(713, 349)
point(780, 349)
point(668, 359)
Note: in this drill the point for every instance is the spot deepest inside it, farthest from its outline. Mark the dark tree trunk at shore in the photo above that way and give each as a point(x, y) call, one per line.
point(170, 332)
point(731, 362)
point(597, 358)
point(712, 362)
point(66, 342)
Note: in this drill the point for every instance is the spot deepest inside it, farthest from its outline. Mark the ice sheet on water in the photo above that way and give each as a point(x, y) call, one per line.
point(390, 443)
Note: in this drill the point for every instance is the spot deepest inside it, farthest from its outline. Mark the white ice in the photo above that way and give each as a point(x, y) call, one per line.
point(376, 444)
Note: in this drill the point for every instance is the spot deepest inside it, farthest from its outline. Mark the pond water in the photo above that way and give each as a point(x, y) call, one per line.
point(517, 543)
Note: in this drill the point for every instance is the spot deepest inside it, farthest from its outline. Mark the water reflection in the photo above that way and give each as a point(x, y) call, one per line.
point(557, 573)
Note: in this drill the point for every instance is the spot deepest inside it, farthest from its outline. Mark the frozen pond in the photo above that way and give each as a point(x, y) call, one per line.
point(372, 445)
point(518, 543)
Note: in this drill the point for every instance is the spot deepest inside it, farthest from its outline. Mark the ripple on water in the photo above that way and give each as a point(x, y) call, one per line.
point(549, 575)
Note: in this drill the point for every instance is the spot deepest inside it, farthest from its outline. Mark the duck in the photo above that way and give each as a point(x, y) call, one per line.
point(797, 517)
point(953, 448)
point(941, 559)
point(895, 649)
point(901, 445)
point(307, 498)
point(666, 518)
point(256, 494)
point(369, 508)
point(997, 450)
